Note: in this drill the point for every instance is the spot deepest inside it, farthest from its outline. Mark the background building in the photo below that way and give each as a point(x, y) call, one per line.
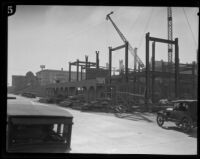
point(20, 82)
point(48, 76)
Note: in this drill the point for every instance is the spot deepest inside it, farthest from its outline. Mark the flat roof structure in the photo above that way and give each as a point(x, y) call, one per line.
point(17, 109)
point(184, 100)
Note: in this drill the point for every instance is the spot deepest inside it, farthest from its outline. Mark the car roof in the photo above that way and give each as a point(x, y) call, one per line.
point(36, 110)
point(183, 100)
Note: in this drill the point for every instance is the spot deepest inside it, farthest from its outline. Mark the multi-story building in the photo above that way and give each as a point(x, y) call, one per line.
point(20, 82)
point(49, 76)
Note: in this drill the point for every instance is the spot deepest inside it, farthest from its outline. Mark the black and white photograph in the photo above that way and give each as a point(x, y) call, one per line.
point(86, 79)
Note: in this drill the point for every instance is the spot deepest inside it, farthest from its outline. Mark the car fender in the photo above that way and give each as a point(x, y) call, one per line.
point(164, 113)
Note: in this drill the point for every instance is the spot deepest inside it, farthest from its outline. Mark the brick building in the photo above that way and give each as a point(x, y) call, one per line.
point(49, 76)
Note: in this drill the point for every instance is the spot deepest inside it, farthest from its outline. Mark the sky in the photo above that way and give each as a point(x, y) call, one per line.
point(56, 35)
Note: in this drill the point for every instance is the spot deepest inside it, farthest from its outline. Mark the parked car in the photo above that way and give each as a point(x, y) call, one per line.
point(10, 97)
point(32, 128)
point(29, 95)
point(44, 100)
point(183, 114)
point(164, 102)
point(66, 103)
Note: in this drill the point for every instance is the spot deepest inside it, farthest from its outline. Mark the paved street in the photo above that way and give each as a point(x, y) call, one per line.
point(136, 133)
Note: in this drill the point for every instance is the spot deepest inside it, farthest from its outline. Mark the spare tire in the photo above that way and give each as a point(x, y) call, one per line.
point(186, 124)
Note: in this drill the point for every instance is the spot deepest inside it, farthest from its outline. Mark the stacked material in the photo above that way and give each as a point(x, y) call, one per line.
point(101, 104)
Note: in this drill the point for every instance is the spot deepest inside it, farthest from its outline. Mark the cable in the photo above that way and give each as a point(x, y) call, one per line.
point(84, 31)
point(189, 26)
point(135, 22)
point(88, 28)
point(147, 24)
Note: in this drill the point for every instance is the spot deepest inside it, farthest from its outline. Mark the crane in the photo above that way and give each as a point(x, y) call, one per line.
point(170, 47)
point(170, 34)
point(138, 60)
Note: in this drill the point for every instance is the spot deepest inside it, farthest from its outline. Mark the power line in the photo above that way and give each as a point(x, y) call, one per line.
point(83, 31)
point(189, 26)
point(147, 24)
point(88, 28)
point(135, 22)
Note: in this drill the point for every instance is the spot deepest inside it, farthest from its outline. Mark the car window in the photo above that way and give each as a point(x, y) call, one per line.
point(185, 105)
point(180, 107)
point(46, 133)
point(176, 106)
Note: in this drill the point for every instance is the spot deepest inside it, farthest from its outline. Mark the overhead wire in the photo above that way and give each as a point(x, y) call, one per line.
point(84, 31)
point(73, 35)
point(131, 28)
point(135, 21)
point(189, 26)
point(145, 28)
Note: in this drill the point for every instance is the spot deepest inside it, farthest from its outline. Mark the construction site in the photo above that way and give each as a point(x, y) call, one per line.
point(143, 86)
point(112, 80)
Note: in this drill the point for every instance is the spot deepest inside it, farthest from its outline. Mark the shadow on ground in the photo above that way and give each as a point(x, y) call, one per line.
point(137, 116)
point(192, 133)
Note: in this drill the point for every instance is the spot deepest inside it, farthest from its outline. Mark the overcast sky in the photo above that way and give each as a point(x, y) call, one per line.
point(55, 35)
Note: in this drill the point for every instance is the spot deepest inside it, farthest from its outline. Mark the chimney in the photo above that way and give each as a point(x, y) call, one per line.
point(135, 61)
point(97, 59)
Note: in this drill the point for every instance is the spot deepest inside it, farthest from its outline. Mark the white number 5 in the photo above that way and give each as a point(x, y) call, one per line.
point(10, 9)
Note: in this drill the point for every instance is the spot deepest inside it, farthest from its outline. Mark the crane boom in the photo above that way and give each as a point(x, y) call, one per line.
point(170, 34)
point(141, 64)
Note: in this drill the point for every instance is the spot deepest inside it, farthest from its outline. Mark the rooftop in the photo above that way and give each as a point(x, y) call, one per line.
point(30, 110)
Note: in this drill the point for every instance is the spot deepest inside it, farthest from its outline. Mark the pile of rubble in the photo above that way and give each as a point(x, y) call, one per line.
point(78, 102)
point(101, 104)
point(51, 100)
point(74, 102)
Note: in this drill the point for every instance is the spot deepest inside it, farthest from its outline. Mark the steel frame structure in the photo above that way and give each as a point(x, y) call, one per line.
point(126, 60)
point(84, 65)
point(147, 73)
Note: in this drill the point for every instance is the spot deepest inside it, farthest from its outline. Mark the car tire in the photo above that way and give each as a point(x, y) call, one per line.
point(160, 120)
point(186, 125)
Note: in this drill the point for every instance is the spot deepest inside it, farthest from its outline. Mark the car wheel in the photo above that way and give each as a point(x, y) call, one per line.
point(160, 120)
point(186, 125)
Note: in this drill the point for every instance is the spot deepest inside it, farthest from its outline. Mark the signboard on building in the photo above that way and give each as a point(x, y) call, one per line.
point(100, 80)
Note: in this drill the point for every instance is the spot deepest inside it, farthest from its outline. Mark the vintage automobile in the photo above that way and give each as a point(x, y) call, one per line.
point(11, 97)
point(183, 114)
point(29, 95)
point(36, 128)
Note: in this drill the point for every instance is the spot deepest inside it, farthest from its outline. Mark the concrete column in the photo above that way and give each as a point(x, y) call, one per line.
point(135, 59)
point(147, 70)
point(176, 68)
point(153, 69)
point(126, 61)
point(110, 64)
point(97, 59)
point(81, 73)
point(138, 67)
point(77, 70)
point(69, 71)
point(163, 66)
point(193, 80)
point(86, 65)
